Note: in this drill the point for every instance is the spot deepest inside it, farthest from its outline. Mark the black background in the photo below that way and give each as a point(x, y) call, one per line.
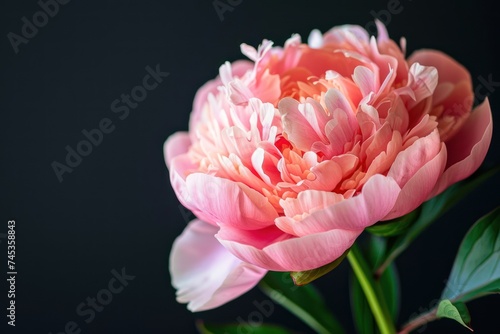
point(117, 209)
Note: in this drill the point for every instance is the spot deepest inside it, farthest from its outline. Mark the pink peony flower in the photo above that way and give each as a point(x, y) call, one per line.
point(291, 156)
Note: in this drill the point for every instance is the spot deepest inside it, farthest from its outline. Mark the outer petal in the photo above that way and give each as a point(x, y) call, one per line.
point(416, 190)
point(204, 273)
point(224, 202)
point(289, 254)
point(180, 166)
point(375, 201)
point(468, 148)
point(449, 69)
point(417, 170)
point(176, 144)
point(453, 98)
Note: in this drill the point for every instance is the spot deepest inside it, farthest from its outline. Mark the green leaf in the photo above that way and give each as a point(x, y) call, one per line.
point(387, 286)
point(476, 270)
point(464, 312)
point(393, 227)
point(431, 210)
point(303, 301)
point(306, 277)
point(457, 312)
point(205, 328)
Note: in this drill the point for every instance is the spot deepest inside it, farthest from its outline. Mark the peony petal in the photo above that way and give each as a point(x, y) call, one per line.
point(452, 103)
point(179, 166)
point(204, 273)
point(299, 131)
point(382, 35)
point(365, 79)
point(292, 254)
point(315, 39)
point(468, 148)
point(409, 161)
point(238, 69)
point(224, 202)
point(423, 81)
point(448, 68)
point(176, 144)
point(417, 188)
point(347, 36)
point(375, 201)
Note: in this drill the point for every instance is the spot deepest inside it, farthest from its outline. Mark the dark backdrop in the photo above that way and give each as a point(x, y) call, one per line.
point(116, 209)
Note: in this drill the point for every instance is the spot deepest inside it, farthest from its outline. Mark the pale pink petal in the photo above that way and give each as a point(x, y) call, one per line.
point(347, 36)
point(335, 99)
point(373, 203)
point(265, 160)
point(238, 68)
point(295, 124)
point(179, 166)
point(468, 148)
point(386, 64)
point(227, 202)
point(423, 81)
point(325, 176)
point(417, 170)
point(418, 187)
point(315, 39)
point(315, 115)
point(204, 273)
point(383, 36)
point(366, 80)
point(409, 161)
point(308, 201)
point(176, 144)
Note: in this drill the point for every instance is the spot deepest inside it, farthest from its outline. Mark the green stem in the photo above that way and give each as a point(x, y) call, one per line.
point(365, 278)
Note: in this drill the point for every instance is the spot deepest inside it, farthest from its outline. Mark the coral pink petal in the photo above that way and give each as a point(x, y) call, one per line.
point(176, 144)
point(293, 254)
point(226, 202)
point(375, 201)
point(449, 69)
point(308, 201)
point(468, 148)
point(205, 274)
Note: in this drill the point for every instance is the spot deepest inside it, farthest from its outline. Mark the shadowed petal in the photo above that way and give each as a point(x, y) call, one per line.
point(204, 273)
point(468, 148)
